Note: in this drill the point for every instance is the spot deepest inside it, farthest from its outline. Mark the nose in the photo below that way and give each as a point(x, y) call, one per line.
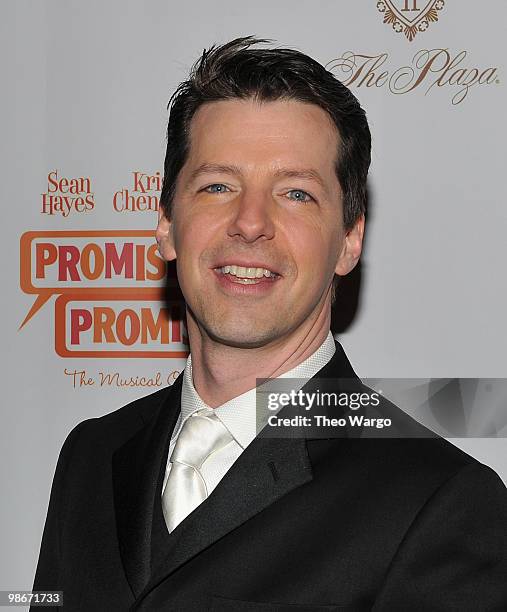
point(253, 217)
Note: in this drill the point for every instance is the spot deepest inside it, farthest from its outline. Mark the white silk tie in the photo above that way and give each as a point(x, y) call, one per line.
point(201, 435)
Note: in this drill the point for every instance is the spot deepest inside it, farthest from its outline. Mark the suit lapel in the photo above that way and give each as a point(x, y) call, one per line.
point(264, 472)
point(136, 467)
point(267, 470)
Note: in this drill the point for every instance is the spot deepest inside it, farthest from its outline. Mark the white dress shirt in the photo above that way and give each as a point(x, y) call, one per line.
point(238, 414)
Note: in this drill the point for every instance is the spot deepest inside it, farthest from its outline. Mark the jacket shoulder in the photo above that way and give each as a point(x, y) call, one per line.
point(415, 446)
point(404, 455)
point(113, 428)
point(141, 410)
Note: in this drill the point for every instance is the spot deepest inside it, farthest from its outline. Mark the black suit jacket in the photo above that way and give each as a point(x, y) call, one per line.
point(295, 525)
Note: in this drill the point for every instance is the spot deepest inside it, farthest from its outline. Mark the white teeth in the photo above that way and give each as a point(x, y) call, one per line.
point(242, 272)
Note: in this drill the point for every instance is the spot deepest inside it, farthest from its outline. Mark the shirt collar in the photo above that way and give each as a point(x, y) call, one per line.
point(239, 413)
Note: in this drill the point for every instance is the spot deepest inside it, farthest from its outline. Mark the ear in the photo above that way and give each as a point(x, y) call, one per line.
point(351, 250)
point(164, 235)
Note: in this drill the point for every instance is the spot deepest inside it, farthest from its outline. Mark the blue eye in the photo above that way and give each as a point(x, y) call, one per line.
point(299, 195)
point(216, 188)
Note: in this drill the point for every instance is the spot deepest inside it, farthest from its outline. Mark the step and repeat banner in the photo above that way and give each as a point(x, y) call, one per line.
point(92, 316)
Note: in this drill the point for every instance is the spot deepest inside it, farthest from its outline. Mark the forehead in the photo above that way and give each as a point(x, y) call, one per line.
point(259, 134)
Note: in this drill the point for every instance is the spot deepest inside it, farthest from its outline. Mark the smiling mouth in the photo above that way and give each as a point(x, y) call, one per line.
point(247, 276)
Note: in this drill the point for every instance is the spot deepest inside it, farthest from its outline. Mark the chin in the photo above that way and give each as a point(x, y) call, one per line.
point(240, 336)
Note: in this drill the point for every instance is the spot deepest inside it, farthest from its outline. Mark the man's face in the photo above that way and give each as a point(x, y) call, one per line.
point(258, 190)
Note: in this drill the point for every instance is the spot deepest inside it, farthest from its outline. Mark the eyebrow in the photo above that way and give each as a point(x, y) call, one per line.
point(214, 168)
point(306, 173)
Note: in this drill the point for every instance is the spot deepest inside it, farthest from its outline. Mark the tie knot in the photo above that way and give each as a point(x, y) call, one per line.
point(202, 434)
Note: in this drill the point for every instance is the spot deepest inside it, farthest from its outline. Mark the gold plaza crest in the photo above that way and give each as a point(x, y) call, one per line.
point(410, 16)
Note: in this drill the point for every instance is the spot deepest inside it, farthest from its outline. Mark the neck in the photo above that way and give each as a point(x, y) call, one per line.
point(221, 372)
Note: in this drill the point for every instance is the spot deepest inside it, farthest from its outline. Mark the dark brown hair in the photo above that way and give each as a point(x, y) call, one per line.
point(236, 70)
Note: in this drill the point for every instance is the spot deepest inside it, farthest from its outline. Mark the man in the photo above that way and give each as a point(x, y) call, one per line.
point(173, 502)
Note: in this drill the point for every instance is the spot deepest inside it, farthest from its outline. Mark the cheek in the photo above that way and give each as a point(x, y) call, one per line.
point(191, 235)
point(194, 241)
point(312, 247)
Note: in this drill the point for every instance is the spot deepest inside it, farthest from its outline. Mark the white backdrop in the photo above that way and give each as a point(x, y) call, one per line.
point(85, 88)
